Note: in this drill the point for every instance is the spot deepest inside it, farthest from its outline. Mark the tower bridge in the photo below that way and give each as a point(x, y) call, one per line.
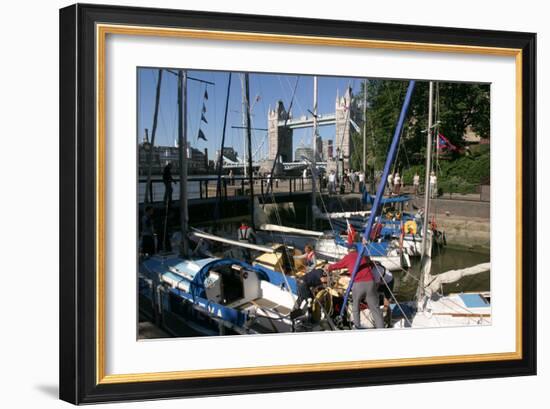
point(281, 125)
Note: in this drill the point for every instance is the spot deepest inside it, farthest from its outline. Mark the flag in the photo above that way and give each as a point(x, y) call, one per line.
point(203, 108)
point(203, 119)
point(201, 135)
point(205, 94)
point(351, 233)
point(443, 143)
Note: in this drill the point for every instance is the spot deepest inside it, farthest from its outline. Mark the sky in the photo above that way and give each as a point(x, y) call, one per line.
point(265, 91)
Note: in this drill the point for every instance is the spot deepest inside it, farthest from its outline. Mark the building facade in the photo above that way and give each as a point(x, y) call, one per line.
point(303, 152)
point(197, 161)
point(229, 153)
point(327, 150)
point(342, 138)
point(280, 137)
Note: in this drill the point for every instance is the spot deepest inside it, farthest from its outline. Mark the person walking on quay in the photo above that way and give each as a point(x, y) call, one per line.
point(433, 185)
point(416, 183)
point(396, 184)
point(362, 182)
point(231, 177)
point(353, 180)
point(304, 176)
point(168, 180)
point(147, 232)
point(331, 183)
point(363, 289)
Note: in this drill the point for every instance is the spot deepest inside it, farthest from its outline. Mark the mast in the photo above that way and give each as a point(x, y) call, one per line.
point(154, 132)
point(428, 170)
point(362, 251)
point(365, 129)
point(182, 142)
point(220, 156)
point(245, 117)
point(426, 261)
point(249, 144)
point(314, 164)
point(437, 126)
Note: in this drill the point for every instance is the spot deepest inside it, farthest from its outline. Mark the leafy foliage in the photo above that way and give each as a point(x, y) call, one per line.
point(458, 107)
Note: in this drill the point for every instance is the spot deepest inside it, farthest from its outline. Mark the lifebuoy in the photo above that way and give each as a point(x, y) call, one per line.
point(410, 227)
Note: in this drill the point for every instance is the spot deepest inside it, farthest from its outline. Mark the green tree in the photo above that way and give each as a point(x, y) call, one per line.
point(458, 106)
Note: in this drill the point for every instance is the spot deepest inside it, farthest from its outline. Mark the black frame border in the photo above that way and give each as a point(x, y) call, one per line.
point(78, 197)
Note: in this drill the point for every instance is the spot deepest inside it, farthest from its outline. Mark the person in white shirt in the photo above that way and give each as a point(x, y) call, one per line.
point(433, 185)
point(361, 182)
point(416, 183)
point(390, 183)
point(396, 183)
point(353, 180)
point(331, 182)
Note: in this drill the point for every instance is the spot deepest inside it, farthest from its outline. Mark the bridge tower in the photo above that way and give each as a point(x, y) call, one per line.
point(342, 137)
point(280, 137)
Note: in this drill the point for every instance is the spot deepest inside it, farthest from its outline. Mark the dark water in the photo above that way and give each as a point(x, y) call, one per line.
point(406, 283)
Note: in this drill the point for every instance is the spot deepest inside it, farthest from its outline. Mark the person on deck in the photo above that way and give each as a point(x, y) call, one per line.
point(245, 234)
point(364, 287)
point(305, 285)
point(313, 278)
point(147, 232)
point(168, 180)
point(308, 258)
point(384, 279)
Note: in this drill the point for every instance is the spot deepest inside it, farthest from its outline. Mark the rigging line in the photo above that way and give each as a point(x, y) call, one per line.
point(320, 195)
point(395, 299)
point(140, 93)
point(262, 102)
point(163, 120)
point(279, 221)
point(174, 117)
point(302, 112)
point(215, 122)
point(162, 113)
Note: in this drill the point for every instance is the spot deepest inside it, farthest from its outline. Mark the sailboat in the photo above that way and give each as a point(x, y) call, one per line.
point(331, 246)
point(432, 308)
point(215, 295)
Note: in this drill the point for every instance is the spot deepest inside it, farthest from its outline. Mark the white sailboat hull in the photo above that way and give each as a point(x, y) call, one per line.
point(330, 250)
point(453, 310)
